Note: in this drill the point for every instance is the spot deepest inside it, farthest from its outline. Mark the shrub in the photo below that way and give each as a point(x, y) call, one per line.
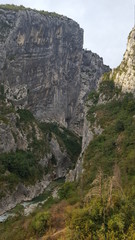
point(25, 115)
point(40, 222)
point(93, 96)
point(67, 190)
point(119, 127)
point(21, 163)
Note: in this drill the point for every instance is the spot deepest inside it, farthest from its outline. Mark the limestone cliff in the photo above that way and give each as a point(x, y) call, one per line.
point(43, 65)
point(43, 70)
point(124, 78)
point(124, 75)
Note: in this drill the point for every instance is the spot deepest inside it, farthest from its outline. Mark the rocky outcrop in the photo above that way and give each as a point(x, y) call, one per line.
point(89, 131)
point(23, 193)
point(92, 68)
point(124, 75)
point(43, 65)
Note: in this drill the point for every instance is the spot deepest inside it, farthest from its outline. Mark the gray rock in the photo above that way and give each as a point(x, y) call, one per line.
point(63, 162)
point(43, 66)
point(23, 193)
point(124, 75)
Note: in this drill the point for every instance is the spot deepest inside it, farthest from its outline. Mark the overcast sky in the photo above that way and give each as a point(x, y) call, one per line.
point(106, 23)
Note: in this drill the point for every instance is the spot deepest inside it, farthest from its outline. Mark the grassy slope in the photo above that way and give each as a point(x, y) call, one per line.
point(108, 179)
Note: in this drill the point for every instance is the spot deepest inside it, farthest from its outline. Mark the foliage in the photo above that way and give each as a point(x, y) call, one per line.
point(22, 8)
point(94, 221)
point(108, 171)
point(119, 127)
point(21, 227)
point(108, 88)
point(12, 7)
point(25, 115)
point(2, 89)
point(117, 140)
point(41, 222)
point(22, 164)
point(5, 108)
point(93, 96)
point(2, 94)
point(106, 76)
point(68, 191)
point(101, 205)
point(69, 140)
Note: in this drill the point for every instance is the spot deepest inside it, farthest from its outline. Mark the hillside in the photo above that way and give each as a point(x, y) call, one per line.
point(67, 133)
point(101, 204)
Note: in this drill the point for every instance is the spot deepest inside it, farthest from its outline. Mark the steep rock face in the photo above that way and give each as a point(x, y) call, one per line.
point(88, 134)
point(43, 66)
point(92, 68)
point(41, 63)
point(124, 75)
point(32, 154)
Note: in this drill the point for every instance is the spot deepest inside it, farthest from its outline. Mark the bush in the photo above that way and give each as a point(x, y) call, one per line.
point(108, 88)
point(119, 127)
point(67, 190)
point(40, 222)
point(25, 115)
point(93, 96)
point(21, 163)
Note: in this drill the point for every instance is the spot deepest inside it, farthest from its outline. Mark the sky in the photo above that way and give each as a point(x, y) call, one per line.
point(106, 23)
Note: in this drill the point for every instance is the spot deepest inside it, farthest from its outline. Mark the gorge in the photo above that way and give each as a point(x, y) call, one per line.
point(67, 124)
point(43, 69)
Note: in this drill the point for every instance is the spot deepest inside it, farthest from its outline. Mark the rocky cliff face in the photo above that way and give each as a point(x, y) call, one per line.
point(44, 69)
point(32, 154)
point(43, 66)
point(124, 75)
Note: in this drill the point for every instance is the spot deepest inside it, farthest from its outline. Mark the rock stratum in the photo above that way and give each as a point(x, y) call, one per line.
point(43, 65)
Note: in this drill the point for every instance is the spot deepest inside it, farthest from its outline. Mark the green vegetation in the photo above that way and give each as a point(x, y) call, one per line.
point(18, 166)
point(41, 222)
point(22, 8)
point(69, 191)
point(108, 179)
point(12, 7)
point(25, 166)
point(101, 205)
point(52, 14)
point(116, 141)
point(108, 88)
point(37, 223)
point(25, 115)
point(93, 96)
point(106, 76)
point(2, 94)
point(66, 139)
